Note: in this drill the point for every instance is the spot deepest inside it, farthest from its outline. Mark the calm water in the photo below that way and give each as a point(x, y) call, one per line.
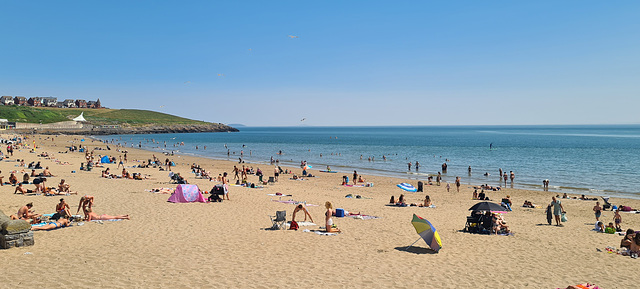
point(579, 159)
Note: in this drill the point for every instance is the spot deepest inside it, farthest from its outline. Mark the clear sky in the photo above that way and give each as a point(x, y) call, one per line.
point(352, 63)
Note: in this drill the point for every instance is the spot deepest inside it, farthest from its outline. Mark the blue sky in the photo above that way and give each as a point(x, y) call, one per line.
point(353, 63)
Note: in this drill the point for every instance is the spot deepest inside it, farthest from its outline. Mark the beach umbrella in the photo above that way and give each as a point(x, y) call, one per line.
point(486, 206)
point(427, 232)
point(407, 187)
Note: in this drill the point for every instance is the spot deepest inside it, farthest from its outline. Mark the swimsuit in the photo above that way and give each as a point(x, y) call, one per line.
point(54, 223)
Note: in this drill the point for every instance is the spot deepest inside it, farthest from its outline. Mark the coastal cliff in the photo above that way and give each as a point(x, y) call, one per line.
point(147, 129)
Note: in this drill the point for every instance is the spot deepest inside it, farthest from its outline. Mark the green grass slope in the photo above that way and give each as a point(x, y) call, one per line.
point(133, 117)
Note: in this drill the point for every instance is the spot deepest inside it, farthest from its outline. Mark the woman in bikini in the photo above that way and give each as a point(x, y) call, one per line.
point(328, 221)
point(53, 225)
point(85, 202)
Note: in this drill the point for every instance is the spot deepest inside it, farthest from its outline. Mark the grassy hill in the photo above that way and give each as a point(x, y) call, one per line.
point(132, 117)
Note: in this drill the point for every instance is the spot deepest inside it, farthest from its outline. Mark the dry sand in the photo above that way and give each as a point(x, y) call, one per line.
point(226, 245)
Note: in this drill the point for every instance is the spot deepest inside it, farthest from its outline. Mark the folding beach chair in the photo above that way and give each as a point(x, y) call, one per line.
point(472, 225)
point(279, 220)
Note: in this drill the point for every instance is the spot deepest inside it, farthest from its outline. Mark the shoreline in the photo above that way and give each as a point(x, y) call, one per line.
point(231, 238)
point(415, 176)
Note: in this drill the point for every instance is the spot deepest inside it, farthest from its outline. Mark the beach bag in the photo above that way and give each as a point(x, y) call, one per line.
point(339, 212)
point(293, 225)
point(564, 217)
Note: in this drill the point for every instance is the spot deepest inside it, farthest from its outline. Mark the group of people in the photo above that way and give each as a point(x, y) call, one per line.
point(402, 202)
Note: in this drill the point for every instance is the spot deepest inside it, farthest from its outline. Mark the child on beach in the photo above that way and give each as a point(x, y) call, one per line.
point(618, 219)
point(448, 187)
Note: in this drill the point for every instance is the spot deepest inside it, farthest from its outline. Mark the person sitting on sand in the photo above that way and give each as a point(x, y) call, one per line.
point(499, 224)
point(25, 213)
point(298, 208)
point(89, 215)
point(401, 200)
point(61, 223)
point(63, 187)
point(392, 200)
point(628, 238)
point(610, 229)
point(46, 172)
point(63, 209)
point(426, 202)
point(599, 227)
point(634, 247)
point(474, 196)
point(22, 190)
point(329, 226)
point(12, 179)
point(506, 202)
point(25, 178)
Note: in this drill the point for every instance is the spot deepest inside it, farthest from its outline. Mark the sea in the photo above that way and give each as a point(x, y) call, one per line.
point(585, 159)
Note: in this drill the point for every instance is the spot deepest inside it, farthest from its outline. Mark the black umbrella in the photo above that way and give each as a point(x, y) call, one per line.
point(486, 206)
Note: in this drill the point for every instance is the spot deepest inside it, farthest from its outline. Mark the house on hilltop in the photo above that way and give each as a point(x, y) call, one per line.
point(69, 103)
point(6, 100)
point(49, 101)
point(81, 103)
point(35, 101)
point(20, 100)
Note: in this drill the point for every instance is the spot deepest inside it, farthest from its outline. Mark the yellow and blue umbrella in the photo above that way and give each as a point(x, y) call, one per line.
point(427, 232)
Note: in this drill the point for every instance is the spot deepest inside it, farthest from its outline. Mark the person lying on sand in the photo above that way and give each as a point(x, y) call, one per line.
point(89, 215)
point(22, 190)
point(52, 225)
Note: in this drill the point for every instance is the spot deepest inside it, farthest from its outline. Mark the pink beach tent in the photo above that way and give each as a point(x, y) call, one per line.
point(187, 194)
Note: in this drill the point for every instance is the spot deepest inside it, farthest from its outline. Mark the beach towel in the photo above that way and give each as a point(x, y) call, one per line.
point(363, 217)
point(322, 233)
point(279, 195)
point(294, 202)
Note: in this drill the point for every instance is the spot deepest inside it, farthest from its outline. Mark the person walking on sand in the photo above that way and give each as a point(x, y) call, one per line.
point(235, 172)
point(598, 211)
point(557, 210)
point(448, 187)
point(458, 184)
point(225, 185)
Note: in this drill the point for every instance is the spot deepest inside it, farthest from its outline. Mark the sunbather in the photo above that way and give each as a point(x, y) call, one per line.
point(628, 239)
point(22, 190)
point(89, 215)
point(63, 209)
point(53, 225)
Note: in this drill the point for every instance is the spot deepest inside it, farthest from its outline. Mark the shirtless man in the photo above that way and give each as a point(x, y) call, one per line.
point(63, 187)
point(22, 190)
point(25, 213)
point(46, 172)
point(298, 208)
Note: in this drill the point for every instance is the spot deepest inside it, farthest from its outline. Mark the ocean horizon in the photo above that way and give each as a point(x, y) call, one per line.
point(578, 159)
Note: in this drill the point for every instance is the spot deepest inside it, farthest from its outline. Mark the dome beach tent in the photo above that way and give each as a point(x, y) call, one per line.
point(105, 160)
point(187, 194)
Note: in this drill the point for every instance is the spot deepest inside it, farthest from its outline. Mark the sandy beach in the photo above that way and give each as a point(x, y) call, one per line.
point(227, 245)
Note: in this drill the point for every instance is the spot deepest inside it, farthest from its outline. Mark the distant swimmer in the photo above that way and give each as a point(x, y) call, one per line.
point(491, 146)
